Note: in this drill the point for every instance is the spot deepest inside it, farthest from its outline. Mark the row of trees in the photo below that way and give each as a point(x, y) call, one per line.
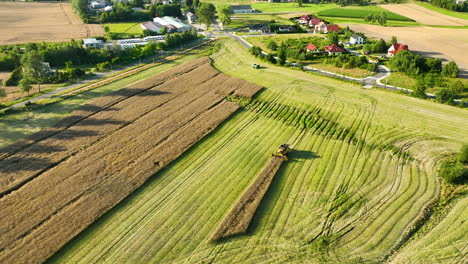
point(81, 8)
point(414, 65)
point(31, 68)
point(381, 18)
point(451, 5)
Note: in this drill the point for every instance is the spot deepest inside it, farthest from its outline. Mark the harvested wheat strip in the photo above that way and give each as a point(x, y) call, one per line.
point(238, 219)
point(51, 150)
point(104, 103)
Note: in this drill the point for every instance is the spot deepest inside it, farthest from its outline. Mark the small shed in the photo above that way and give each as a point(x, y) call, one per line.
point(92, 43)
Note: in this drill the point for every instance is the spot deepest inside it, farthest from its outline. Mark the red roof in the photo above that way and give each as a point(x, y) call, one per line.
point(311, 47)
point(333, 48)
point(333, 28)
point(306, 17)
point(315, 21)
point(397, 47)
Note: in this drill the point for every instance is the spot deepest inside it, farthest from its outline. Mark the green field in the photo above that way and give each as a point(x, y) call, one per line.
point(291, 7)
point(362, 170)
point(463, 15)
point(242, 21)
point(360, 12)
point(125, 30)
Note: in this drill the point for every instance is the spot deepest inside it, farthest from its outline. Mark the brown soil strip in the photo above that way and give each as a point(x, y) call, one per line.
point(238, 219)
point(58, 182)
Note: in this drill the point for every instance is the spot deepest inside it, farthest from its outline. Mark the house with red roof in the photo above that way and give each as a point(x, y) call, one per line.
point(330, 28)
point(305, 19)
point(321, 26)
point(395, 48)
point(334, 49)
point(314, 21)
point(312, 48)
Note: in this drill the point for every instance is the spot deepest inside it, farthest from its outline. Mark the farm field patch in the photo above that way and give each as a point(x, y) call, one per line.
point(361, 171)
point(361, 12)
point(429, 41)
point(291, 7)
point(24, 22)
point(102, 152)
point(243, 21)
point(125, 30)
point(425, 16)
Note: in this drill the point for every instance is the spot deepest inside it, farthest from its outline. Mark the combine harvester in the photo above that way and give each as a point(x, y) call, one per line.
point(239, 217)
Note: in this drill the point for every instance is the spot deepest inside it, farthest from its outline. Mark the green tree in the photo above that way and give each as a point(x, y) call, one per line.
point(25, 85)
point(206, 13)
point(2, 91)
point(282, 55)
point(333, 37)
point(445, 96)
point(299, 3)
point(383, 18)
point(450, 69)
point(457, 87)
point(164, 30)
point(272, 45)
point(394, 40)
point(224, 14)
point(419, 90)
point(33, 68)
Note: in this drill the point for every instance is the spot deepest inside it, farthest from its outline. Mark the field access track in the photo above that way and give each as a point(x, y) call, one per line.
point(60, 180)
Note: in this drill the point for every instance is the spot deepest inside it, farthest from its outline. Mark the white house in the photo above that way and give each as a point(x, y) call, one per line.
point(355, 39)
point(238, 9)
point(108, 8)
point(98, 4)
point(92, 43)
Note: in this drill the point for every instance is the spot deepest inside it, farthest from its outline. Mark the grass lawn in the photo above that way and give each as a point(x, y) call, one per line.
point(346, 195)
point(242, 21)
point(124, 30)
point(17, 125)
point(360, 12)
point(354, 72)
point(463, 15)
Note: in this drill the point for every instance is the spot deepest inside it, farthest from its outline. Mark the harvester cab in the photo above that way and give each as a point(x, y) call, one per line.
point(282, 151)
point(256, 66)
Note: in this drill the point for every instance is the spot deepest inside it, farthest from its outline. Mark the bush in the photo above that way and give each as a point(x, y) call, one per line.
point(453, 172)
point(103, 66)
point(450, 69)
point(463, 157)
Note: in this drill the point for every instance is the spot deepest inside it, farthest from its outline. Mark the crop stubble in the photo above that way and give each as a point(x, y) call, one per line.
point(58, 181)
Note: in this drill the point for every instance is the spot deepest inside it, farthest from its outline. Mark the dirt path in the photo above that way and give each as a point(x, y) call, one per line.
point(424, 15)
point(443, 43)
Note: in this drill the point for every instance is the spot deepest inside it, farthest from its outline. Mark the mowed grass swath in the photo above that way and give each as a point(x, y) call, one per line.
point(361, 170)
point(102, 152)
